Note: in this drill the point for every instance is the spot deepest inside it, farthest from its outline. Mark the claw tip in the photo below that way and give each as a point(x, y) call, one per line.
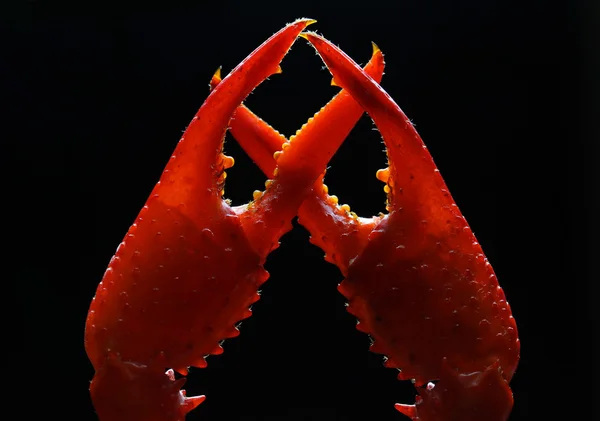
point(376, 49)
point(308, 21)
point(215, 79)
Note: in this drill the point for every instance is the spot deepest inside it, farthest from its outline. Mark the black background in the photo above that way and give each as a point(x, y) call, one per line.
point(501, 93)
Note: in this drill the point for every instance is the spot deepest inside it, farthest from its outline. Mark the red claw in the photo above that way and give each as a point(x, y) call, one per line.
point(416, 279)
point(422, 287)
point(190, 266)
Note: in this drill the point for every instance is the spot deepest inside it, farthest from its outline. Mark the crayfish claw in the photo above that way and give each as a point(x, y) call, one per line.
point(424, 248)
point(186, 239)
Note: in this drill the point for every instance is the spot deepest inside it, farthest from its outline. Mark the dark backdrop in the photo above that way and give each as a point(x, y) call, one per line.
point(499, 91)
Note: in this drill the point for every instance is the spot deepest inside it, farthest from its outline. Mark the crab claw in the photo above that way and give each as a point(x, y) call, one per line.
point(185, 273)
point(411, 164)
point(422, 287)
point(336, 230)
point(195, 170)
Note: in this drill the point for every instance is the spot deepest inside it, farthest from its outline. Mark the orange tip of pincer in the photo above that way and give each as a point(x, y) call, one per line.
point(376, 49)
point(303, 35)
point(307, 21)
point(215, 79)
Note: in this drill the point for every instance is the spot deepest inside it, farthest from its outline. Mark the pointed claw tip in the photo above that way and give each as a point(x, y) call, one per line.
point(308, 35)
point(376, 49)
point(217, 73)
point(307, 21)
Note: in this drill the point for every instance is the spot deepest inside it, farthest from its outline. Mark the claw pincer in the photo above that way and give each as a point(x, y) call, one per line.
point(416, 278)
point(190, 266)
point(422, 287)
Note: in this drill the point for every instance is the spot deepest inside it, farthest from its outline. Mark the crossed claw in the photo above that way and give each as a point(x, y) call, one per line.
point(190, 266)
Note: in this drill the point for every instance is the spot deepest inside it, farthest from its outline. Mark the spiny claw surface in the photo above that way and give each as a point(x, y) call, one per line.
point(422, 287)
point(190, 266)
point(340, 233)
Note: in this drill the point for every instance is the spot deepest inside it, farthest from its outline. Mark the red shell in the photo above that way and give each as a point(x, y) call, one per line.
point(190, 267)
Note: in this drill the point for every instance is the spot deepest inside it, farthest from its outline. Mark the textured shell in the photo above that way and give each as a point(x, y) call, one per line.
point(179, 295)
point(425, 291)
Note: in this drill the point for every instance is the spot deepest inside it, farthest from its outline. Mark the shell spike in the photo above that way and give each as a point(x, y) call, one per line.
point(190, 403)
